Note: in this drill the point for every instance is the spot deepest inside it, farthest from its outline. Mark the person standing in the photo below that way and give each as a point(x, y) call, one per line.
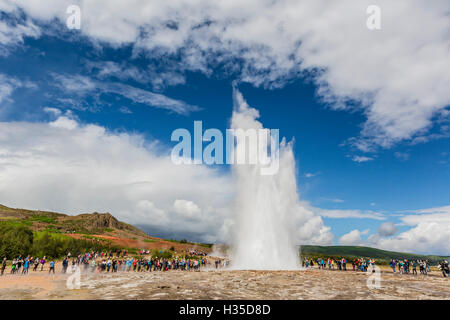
point(26, 265)
point(444, 268)
point(36, 264)
point(3, 265)
point(393, 265)
point(42, 263)
point(414, 267)
point(65, 264)
point(93, 265)
point(13, 266)
point(52, 267)
point(19, 264)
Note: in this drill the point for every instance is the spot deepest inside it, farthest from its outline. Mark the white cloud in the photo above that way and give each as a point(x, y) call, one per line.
point(9, 84)
point(8, 87)
point(309, 175)
point(396, 73)
point(353, 238)
point(429, 233)
point(437, 214)
point(187, 208)
point(387, 229)
point(81, 86)
point(361, 159)
point(425, 237)
point(14, 29)
point(146, 209)
point(359, 214)
point(123, 71)
point(64, 123)
point(53, 111)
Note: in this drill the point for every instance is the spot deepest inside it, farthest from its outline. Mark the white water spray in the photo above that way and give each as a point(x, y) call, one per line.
point(264, 205)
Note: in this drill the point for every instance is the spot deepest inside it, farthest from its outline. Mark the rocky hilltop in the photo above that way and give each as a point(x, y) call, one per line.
point(81, 223)
point(98, 226)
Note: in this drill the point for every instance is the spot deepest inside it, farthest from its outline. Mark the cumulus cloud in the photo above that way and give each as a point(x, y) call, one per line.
point(425, 237)
point(395, 75)
point(352, 238)
point(70, 167)
point(428, 233)
point(187, 208)
point(64, 123)
point(387, 229)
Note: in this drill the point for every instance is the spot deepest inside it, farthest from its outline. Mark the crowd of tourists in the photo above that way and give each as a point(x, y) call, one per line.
point(185, 252)
point(108, 262)
point(192, 261)
point(402, 266)
point(331, 264)
point(406, 266)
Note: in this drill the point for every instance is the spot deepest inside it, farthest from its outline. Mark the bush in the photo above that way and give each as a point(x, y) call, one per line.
point(15, 240)
point(162, 254)
point(20, 240)
point(42, 218)
point(56, 245)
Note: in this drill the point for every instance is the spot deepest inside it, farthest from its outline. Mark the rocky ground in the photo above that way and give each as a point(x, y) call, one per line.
point(307, 284)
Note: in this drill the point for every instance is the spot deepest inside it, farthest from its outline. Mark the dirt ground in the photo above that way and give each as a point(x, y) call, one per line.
point(226, 284)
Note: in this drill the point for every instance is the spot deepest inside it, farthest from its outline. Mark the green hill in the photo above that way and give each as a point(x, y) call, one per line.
point(39, 233)
point(351, 252)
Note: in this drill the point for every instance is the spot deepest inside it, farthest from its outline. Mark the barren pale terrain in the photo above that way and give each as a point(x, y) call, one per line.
point(224, 284)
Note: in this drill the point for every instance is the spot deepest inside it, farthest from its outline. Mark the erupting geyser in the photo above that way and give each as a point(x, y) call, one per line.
point(264, 204)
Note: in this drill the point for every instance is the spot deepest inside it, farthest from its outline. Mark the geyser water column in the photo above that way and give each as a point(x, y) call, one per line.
point(264, 205)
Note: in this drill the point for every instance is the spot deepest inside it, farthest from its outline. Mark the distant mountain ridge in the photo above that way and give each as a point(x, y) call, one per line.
point(360, 251)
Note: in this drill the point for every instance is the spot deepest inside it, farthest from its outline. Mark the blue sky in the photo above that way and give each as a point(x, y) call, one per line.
point(354, 169)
